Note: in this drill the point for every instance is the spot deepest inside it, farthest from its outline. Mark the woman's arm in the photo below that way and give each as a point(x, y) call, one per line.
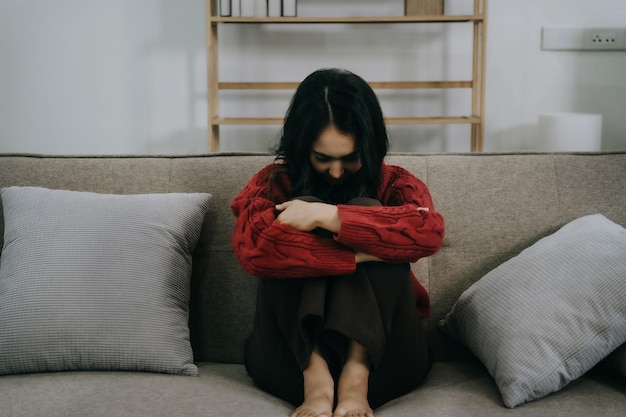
point(307, 216)
point(405, 229)
point(268, 248)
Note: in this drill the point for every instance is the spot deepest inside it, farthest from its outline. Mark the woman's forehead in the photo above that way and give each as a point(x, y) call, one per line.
point(333, 143)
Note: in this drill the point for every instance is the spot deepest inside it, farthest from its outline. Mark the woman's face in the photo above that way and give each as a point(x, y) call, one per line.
point(334, 156)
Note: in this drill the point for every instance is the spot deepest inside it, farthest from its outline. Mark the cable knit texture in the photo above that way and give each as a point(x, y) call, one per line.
point(397, 232)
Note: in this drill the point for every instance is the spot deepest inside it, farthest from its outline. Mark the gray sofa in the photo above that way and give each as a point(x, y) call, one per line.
point(495, 206)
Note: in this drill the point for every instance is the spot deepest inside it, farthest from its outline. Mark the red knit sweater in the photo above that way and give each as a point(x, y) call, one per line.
point(396, 232)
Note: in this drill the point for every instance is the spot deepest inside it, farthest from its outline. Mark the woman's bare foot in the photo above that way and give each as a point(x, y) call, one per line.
point(319, 389)
point(352, 392)
point(352, 386)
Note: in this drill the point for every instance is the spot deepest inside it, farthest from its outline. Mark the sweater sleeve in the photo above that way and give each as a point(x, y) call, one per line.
point(268, 249)
point(397, 231)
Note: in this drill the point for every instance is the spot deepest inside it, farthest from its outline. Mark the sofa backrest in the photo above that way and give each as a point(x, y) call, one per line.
point(494, 206)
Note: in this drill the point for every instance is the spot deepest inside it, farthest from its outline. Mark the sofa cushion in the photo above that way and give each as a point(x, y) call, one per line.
point(452, 389)
point(97, 281)
point(545, 317)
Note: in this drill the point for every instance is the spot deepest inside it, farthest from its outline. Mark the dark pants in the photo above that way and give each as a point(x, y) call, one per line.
point(375, 307)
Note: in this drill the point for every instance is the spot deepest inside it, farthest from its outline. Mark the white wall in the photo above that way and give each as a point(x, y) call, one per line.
point(523, 81)
point(122, 76)
point(102, 76)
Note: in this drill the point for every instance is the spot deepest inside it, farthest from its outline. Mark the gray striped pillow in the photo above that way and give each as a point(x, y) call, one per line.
point(97, 281)
point(547, 316)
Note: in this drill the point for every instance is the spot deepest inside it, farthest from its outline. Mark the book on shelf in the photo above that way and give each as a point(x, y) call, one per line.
point(224, 7)
point(235, 8)
point(423, 7)
point(289, 8)
point(260, 8)
point(274, 8)
point(247, 8)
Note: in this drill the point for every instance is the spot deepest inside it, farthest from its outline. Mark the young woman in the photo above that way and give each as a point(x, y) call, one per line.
point(330, 230)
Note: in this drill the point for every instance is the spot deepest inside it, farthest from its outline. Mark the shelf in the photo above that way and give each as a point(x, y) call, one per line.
point(377, 85)
point(220, 121)
point(478, 20)
point(353, 19)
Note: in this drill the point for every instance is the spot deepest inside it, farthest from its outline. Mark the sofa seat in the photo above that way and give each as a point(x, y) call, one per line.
point(451, 389)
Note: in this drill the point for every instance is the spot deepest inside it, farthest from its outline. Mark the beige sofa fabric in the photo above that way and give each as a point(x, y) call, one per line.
point(494, 205)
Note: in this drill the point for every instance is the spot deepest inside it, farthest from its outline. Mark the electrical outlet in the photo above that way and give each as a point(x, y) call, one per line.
point(603, 39)
point(583, 39)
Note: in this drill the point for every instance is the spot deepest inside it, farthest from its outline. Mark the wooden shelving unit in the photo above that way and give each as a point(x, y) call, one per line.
point(476, 84)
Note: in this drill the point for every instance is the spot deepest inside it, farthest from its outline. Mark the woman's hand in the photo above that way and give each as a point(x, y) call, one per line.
point(306, 216)
point(365, 257)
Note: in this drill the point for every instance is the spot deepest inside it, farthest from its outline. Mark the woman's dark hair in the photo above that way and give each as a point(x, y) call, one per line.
point(339, 98)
